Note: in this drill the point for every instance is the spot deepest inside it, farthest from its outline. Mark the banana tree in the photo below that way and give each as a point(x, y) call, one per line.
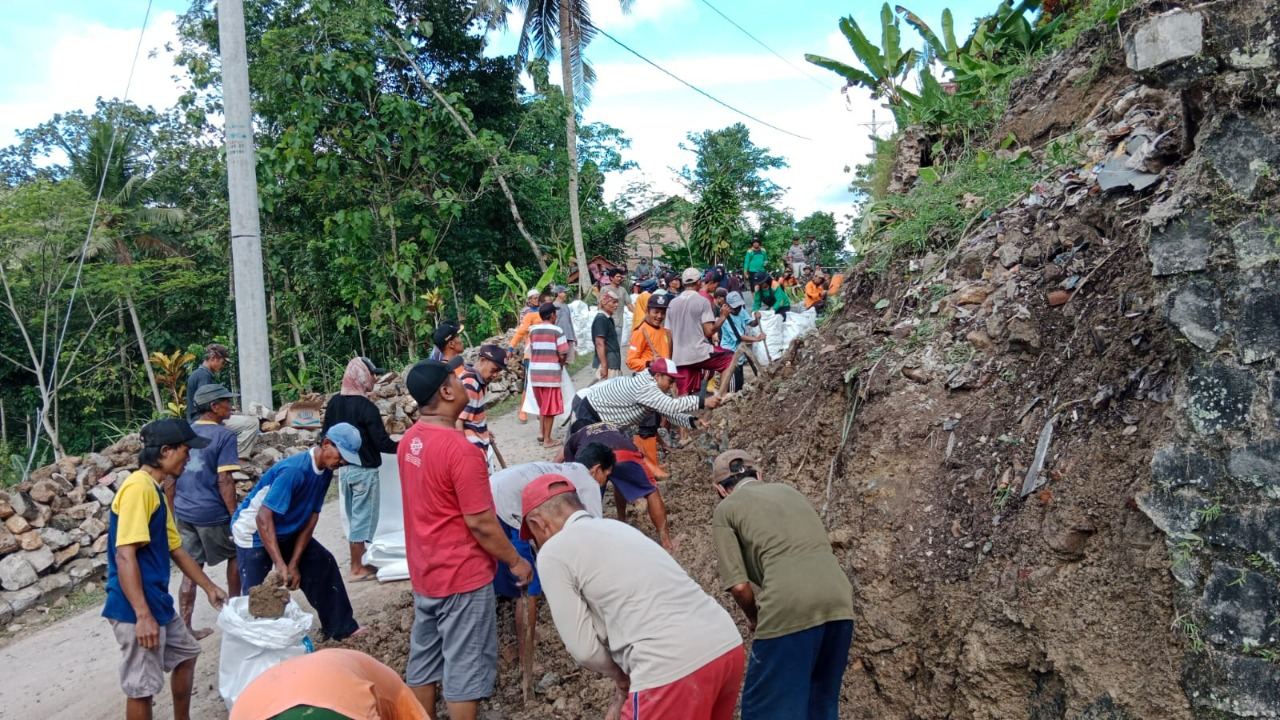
point(885, 67)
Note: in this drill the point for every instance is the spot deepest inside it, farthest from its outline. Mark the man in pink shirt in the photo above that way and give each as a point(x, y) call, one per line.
point(452, 539)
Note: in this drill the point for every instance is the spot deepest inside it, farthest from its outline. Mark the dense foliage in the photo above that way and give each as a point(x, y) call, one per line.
point(380, 213)
point(404, 176)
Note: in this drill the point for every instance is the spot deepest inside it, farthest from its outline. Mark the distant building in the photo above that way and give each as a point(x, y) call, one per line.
point(596, 266)
point(654, 232)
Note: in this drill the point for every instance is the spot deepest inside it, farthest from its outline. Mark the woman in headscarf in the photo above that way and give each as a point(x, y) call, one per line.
point(359, 483)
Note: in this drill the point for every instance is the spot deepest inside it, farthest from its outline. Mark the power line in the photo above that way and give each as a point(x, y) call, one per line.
point(701, 92)
point(93, 220)
point(766, 47)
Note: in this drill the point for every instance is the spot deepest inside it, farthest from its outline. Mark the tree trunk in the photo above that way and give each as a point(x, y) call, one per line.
point(493, 159)
point(568, 40)
point(127, 396)
point(146, 356)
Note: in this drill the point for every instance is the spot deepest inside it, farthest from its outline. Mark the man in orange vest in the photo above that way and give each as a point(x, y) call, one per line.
point(650, 340)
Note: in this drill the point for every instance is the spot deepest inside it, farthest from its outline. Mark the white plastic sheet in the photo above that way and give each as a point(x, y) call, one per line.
point(251, 646)
point(386, 552)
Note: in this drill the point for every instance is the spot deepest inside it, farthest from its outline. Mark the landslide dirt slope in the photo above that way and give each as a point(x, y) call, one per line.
point(971, 601)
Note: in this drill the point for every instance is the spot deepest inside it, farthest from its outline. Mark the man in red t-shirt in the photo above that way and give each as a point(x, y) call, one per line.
point(452, 538)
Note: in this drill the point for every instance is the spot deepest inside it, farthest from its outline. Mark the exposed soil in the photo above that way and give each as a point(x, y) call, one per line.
point(972, 601)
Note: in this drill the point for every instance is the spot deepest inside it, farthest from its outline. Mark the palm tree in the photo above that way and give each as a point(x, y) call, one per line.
point(107, 159)
point(569, 23)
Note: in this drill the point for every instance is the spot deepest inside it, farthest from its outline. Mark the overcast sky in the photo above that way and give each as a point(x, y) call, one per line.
point(62, 55)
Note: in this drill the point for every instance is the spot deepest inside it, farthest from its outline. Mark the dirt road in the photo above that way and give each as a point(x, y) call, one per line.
point(69, 670)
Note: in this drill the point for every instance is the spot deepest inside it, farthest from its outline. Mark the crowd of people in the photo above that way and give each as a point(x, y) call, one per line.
point(476, 531)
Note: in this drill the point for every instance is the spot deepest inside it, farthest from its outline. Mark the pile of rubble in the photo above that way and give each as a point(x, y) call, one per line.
point(54, 533)
point(54, 536)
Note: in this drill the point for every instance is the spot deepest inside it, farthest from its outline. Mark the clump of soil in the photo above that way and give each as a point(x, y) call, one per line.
point(269, 599)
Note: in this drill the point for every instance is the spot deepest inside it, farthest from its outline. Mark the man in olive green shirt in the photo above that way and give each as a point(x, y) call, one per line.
point(768, 535)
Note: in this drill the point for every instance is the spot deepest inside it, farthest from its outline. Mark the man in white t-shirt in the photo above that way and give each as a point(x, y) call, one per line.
point(507, 486)
point(626, 609)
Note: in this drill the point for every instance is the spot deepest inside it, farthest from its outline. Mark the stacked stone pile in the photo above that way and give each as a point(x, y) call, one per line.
point(53, 536)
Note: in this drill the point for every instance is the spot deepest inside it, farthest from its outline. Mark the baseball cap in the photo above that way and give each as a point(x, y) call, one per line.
point(712, 275)
point(448, 330)
point(171, 431)
point(660, 300)
point(213, 391)
point(346, 438)
point(217, 350)
point(426, 376)
point(559, 289)
point(495, 354)
point(735, 300)
point(690, 275)
point(663, 366)
point(538, 491)
point(373, 369)
point(730, 463)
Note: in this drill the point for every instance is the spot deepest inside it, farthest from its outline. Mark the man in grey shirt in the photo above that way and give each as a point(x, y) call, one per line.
point(564, 318)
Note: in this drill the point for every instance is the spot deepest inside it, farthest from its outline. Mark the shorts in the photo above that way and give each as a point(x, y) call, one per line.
point(630, 478)
point(142, 672)
point(709, 692)
point(207, 544)
point(504, 583)
point(359, 487)
point(690, 382)
point(455, 640)
point(550, 400)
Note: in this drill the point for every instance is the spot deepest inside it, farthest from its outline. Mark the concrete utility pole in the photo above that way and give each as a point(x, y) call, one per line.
point(242, 185)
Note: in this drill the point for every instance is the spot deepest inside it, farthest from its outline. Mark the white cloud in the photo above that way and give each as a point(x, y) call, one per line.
point(88, 61)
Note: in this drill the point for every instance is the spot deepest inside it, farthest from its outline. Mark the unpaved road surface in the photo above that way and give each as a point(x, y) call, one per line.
point(70, 670)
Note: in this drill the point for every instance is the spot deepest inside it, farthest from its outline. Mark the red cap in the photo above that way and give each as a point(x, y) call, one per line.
point(663, 366)
point(538, 491)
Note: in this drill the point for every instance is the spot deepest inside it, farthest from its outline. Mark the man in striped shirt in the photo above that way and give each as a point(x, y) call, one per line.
point(472, 421)
point(623, 402)
point(548, 354)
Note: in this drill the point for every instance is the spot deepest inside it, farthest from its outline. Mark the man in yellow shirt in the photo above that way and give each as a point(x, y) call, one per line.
point(141, 539)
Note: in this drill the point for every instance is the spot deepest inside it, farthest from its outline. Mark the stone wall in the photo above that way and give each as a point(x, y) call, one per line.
point(53, 526)
point(1214, 248)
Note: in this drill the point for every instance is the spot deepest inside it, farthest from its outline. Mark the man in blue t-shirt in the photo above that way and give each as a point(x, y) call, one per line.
point(740, 328)
point(273, 529)
point(204, 497)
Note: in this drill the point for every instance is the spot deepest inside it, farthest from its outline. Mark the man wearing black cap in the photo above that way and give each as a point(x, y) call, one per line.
point(204, 496)
point(244, 426)
point(447, 339)
point(452, 538)
point(360, 484)
point(141, 540)
point(650, 340)
point(768, 536)
point(471, 421)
